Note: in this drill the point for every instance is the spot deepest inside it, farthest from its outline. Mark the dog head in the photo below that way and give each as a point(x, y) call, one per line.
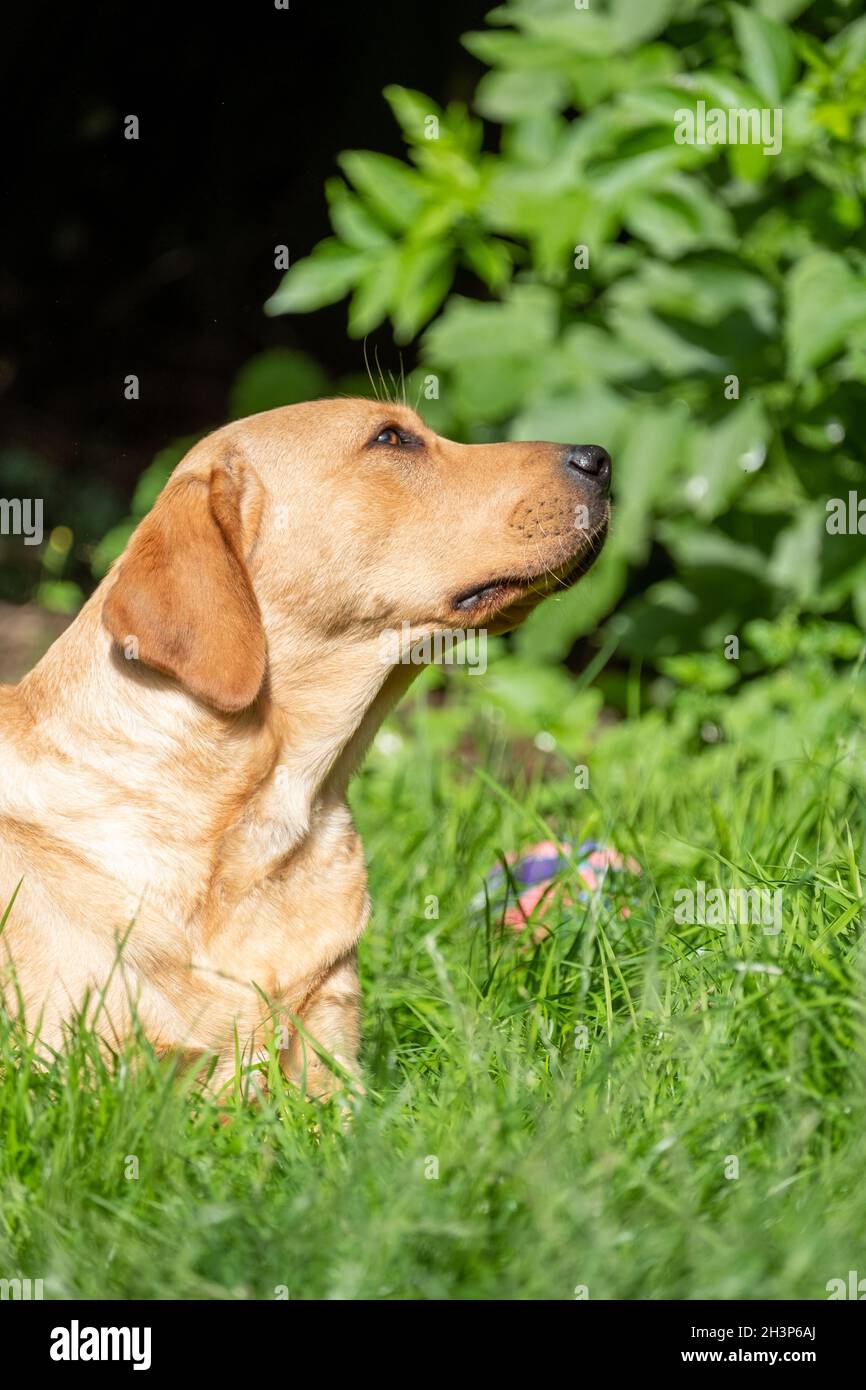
point(343, 518)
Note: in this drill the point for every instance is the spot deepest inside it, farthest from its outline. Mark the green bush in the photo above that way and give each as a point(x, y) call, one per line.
point(698, 309)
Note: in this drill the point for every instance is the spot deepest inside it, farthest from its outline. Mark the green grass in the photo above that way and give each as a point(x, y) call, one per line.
point(558, 1166)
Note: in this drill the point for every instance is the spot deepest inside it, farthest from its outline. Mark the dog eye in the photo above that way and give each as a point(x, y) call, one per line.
point(393, 437)
point(390, 436)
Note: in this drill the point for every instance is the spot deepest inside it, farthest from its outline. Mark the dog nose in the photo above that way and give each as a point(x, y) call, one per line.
point(590, 460)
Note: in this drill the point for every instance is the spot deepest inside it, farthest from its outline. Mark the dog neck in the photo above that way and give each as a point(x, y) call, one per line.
point(246, 788)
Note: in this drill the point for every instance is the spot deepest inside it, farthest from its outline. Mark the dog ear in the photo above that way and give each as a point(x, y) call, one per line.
point(182, 601)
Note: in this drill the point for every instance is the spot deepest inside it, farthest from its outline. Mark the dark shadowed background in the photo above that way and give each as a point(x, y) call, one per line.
point(155, 256)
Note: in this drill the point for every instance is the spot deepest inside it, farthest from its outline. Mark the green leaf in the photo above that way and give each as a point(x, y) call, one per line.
point(703, 289)
point(622, 179)
point(724, 456)
point(705, 671)
point(490, 259)
point(783, 9)
point(666, 349)
point(352, 220)
point(680, 216)
point(768, 56)
point(394, 191)
point(595, 415)
point(525, 323)
point(374, 293)
point(646, 461)
point(412, 111)
point(507, 49)
point(423, 279)
point(795, 560)
point(826, 303)
point(695, 547)
point(626, 24)
point(858, 600)
point(509, 96)
point(321, 278)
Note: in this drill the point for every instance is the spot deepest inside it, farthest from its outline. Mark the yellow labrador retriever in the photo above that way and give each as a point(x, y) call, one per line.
point(173, 773)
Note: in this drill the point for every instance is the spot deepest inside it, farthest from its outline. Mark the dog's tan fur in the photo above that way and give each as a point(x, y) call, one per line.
point(173, 773)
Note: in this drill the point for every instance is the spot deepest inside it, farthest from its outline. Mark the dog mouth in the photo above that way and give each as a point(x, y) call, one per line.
point(506, 591)
point(499, 593)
